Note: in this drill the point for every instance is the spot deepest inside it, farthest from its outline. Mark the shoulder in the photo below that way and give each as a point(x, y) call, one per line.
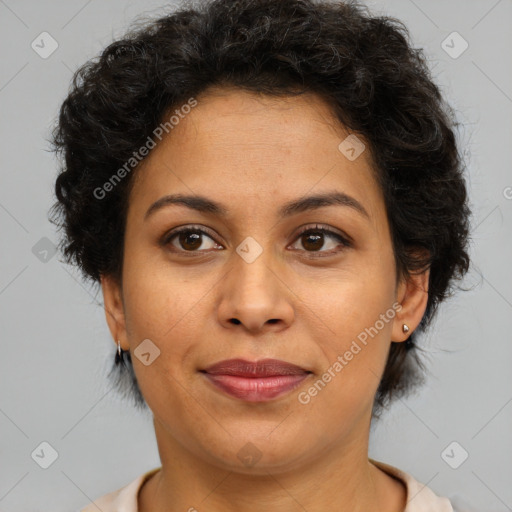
point(123, 499)
point(420, 498)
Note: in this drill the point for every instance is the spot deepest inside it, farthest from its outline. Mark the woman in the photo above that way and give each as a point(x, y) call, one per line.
point(271, 197)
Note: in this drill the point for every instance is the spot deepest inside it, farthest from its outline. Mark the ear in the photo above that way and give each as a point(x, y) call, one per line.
point(412, 294)
point(114, 309)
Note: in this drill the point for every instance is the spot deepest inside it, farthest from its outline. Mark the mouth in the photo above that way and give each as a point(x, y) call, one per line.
point(257, 381)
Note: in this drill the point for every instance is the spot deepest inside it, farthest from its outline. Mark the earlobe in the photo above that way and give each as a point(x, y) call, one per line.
point(412, 294)
point(114, 309)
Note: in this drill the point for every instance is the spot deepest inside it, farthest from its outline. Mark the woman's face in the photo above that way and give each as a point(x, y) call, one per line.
point(252, 287)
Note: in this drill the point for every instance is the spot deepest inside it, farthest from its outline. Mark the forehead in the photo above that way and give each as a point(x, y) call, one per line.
point(235, 141)
point(225, 117)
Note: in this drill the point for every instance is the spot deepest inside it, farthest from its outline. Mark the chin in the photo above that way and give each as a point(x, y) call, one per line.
point(258, 455)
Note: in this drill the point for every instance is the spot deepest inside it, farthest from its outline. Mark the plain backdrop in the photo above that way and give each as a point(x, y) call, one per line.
point(55, 344)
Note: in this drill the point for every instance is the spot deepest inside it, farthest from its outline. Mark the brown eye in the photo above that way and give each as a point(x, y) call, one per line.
point(312, 242)
point(189, 239)
point(317, 238)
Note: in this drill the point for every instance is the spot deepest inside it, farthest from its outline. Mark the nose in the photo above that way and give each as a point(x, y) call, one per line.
point(255, 297)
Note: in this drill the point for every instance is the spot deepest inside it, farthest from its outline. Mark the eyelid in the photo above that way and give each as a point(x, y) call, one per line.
point(169, 235)
point(327, 230)
point(344, 239)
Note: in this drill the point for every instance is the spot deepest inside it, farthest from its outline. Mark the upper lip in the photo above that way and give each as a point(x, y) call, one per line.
point(261, 368)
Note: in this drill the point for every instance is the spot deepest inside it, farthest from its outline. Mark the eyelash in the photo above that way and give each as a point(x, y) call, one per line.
point(344, 241)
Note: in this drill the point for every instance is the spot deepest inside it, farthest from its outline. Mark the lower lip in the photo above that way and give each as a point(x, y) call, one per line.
point(256, 389)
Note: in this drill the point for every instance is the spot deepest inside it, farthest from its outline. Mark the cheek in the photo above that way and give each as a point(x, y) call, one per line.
point(357, 301)
point(160, 299)
point(360, 315)
point(166, 306)
point(344, 391)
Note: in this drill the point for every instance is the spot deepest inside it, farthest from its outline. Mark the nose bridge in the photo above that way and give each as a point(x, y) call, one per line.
point(251, 293)
point(253, 278)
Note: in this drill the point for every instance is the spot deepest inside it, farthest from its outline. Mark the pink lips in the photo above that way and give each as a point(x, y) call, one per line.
point(255, 381)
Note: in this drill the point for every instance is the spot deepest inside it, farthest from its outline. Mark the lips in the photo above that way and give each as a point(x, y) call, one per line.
point(258, 381)
point(249, 369)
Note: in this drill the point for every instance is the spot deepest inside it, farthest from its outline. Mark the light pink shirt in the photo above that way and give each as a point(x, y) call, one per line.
point(419, 497)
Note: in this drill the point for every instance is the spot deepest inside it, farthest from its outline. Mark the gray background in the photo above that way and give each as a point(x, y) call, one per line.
point(55, 344)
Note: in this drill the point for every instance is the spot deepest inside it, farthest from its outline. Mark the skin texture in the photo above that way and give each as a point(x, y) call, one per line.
point(253, 154)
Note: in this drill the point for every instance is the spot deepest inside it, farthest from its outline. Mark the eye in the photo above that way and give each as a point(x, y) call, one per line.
point(313, 239)
point(190, 239)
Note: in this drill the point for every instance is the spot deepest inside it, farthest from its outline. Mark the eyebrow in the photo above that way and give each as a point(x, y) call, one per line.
point(205, 205)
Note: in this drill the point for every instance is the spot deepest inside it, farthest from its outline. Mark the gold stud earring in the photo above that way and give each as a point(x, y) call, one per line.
point(405, 328)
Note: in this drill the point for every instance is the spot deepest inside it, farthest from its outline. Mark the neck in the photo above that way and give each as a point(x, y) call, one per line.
point(342, 480)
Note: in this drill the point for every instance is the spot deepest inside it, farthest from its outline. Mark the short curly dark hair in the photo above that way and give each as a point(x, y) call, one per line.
point(364, 66)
